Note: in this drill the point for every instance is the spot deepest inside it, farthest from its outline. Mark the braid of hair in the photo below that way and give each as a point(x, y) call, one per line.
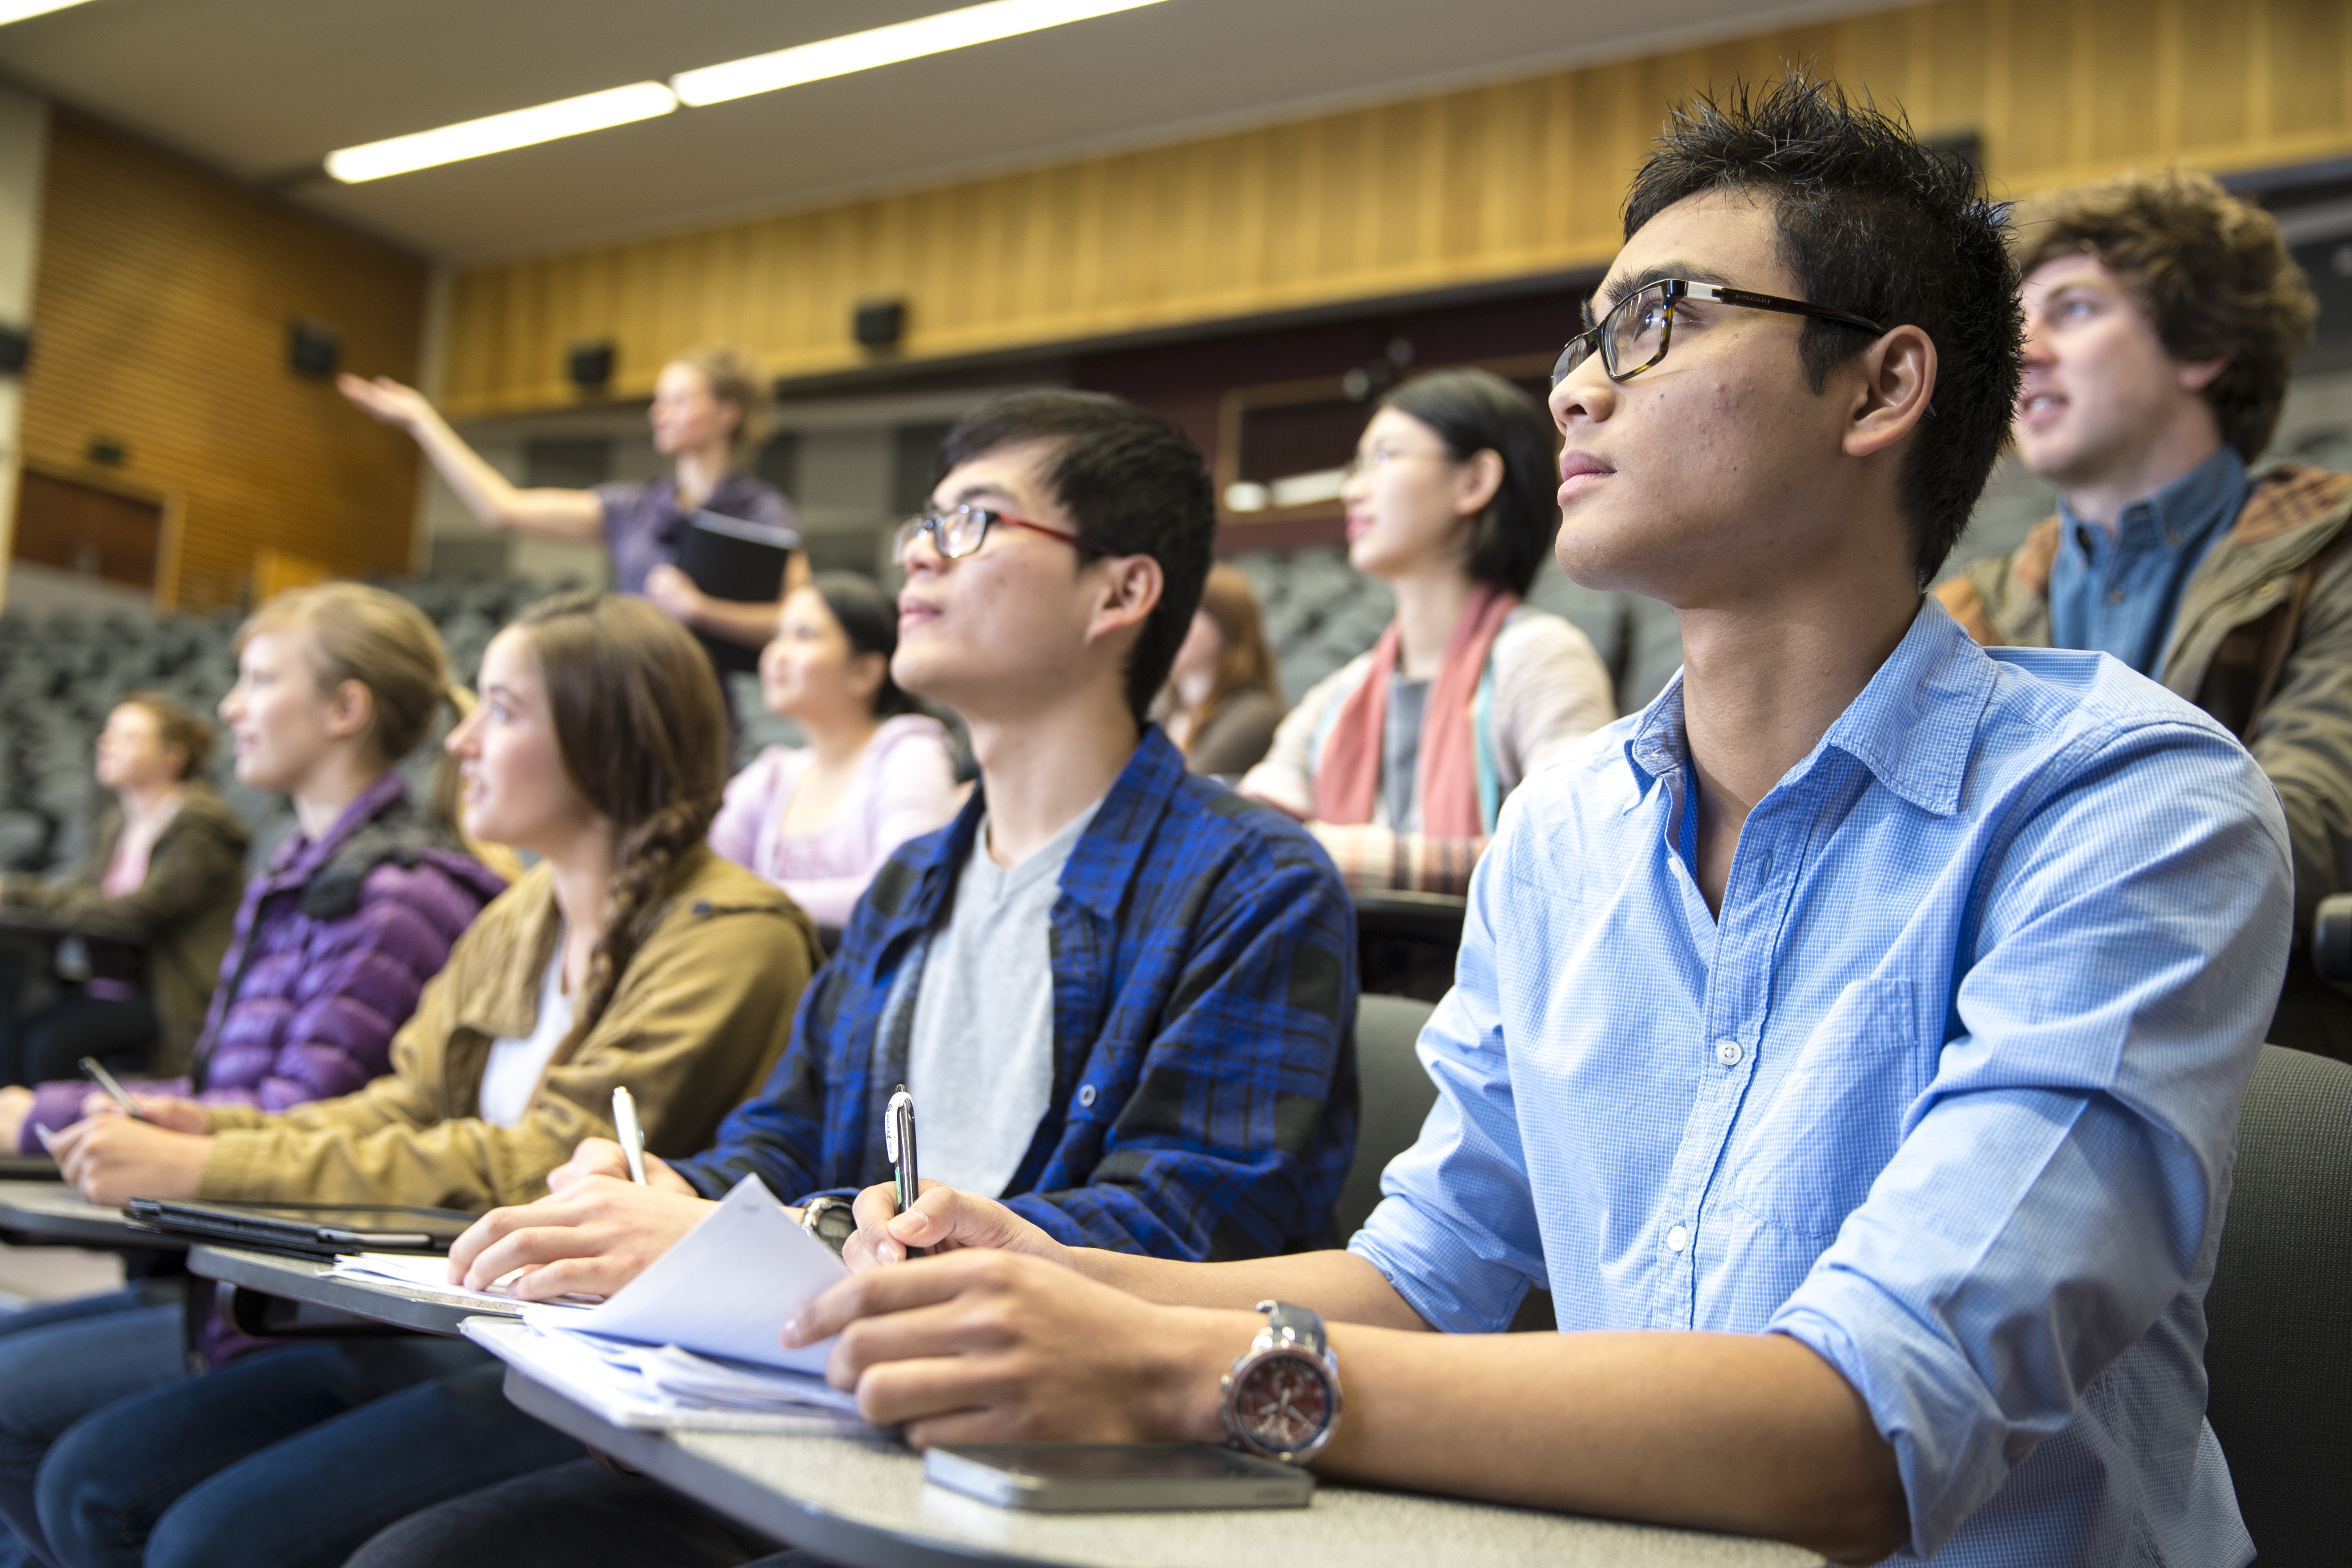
point(649, 853)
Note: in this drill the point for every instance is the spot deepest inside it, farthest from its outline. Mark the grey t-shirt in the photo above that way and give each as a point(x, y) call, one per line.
point(1401, 753)
point(980, 1057)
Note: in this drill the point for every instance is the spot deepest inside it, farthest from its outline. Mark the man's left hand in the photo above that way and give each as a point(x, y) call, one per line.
point(113, 1159)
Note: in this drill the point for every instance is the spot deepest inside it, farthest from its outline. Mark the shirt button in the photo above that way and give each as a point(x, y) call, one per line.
point(1678, 1238)
point(1727, 1052)
point(1086, 1094)
point(2116, 596)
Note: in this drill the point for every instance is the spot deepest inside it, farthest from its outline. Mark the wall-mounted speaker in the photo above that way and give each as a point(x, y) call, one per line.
point(15, 350)
point(879, 324)
point(590, 365)
point(312, 351)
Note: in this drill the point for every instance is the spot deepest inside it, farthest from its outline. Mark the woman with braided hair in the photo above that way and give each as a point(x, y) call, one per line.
point(631, 955)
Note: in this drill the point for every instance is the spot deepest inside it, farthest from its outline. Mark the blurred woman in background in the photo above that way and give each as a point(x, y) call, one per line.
point(819, 819)
point(708, 411)
point(164, 869)
point(1222, 700)
point(1402, 758)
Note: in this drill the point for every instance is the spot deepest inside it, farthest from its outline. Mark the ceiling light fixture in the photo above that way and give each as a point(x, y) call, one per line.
point(18, 10)
point(886, 46)
point(501, 133)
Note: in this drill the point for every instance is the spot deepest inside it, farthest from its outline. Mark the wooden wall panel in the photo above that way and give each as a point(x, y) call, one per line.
point(1518, 179)
point(159, 313)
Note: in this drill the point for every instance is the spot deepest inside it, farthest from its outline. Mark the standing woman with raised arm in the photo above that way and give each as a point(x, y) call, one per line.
point(1399, 761)
point(707, 409)
point(630, 956)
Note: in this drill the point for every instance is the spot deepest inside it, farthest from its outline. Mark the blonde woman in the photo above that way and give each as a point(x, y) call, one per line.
point(707, 409)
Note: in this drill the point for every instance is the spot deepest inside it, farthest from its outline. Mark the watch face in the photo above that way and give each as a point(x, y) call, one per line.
point(1284, 1402)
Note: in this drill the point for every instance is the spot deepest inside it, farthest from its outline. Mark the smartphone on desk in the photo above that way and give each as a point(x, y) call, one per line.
point(1117, 1478)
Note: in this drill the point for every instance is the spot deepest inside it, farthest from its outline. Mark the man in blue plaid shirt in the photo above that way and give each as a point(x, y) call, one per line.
point(1123, 998)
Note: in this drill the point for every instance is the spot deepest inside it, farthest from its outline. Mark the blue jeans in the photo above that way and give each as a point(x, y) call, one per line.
point(291, 1455)
point(62, 1359)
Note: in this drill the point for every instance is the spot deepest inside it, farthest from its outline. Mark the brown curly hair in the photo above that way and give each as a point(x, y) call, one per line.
point(642, 730)
point(2208, 269)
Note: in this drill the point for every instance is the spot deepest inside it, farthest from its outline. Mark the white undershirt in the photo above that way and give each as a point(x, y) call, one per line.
point(511, 1074)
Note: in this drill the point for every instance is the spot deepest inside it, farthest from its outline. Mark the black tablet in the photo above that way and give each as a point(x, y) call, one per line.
point(324, 1228)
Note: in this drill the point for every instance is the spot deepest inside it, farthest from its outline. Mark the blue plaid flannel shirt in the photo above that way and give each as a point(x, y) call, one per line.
point(1204, 1006)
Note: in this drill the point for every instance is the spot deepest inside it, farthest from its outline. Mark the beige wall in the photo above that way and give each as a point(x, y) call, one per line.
point(23, 155)
point(1517, 179)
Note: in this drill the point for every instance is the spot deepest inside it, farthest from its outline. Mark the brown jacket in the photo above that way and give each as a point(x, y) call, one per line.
point(181, 914)
point(699, 1016)
point(2262, 642)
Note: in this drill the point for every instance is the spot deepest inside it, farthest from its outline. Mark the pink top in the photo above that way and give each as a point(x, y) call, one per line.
point(128, 870)
point(905, 787)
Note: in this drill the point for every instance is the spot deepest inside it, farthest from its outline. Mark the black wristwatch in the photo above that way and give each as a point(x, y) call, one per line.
point(830, 1220)
point(1282, 1397)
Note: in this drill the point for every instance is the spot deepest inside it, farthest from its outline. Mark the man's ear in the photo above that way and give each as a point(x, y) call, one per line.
point(2195, 375)
point(1131, 587)
point(1894, 392)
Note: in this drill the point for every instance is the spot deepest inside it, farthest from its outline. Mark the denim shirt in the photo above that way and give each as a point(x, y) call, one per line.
point(2120, 593)
point(1949, 1092)
point(1204, 1094)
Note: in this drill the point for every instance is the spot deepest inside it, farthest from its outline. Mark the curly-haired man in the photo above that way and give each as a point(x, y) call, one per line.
point(2162, 317)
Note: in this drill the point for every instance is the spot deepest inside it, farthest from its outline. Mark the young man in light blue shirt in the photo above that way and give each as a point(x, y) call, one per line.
point(1852, 1041)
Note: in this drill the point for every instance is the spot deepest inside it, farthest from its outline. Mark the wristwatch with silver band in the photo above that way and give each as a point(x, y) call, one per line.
point(1282, 1396)
point(831, 1220)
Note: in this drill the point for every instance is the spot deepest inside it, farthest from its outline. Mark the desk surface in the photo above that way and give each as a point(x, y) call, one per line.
point(308, 1281)
point(53, 1213)
point(863, 1502)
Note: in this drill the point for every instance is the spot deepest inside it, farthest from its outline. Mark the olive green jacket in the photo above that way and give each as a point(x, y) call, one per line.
point(700, 1013)
point(181, 914)
point(2269, 607)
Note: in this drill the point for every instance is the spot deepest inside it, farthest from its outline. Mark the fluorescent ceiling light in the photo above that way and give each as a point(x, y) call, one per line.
point(501, 133)
point(18, 10)
point(886, 46)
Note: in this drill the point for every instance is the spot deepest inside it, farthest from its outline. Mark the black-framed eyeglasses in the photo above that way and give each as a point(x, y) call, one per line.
point(956, 534)
point(1635, 334)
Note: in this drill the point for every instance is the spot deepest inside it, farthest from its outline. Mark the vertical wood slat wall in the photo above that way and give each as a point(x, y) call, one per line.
point(1512, 180)
point(160, 310)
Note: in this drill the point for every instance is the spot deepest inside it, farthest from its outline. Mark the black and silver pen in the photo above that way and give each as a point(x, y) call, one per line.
point(899, 1143)
point(114, 1091)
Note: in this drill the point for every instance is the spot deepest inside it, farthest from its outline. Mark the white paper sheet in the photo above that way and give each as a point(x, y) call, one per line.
point(725, 1289)
point(583, 1368)
point(428, 1273)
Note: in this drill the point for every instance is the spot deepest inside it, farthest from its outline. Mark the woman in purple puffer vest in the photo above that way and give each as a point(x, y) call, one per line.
point(332, 944)
point(358, 910)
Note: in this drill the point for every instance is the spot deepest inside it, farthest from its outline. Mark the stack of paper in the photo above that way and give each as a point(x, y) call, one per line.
point(695, 1341)
point(428, 1276)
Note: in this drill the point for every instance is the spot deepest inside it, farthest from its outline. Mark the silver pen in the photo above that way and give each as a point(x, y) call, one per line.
point(633, 1137)
point(899, 1143)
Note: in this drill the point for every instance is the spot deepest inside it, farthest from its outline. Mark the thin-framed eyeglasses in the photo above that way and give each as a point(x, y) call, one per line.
point(1635, 334)
point(958, 532)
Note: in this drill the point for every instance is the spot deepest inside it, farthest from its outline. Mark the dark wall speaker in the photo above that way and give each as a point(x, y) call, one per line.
point(15, 350)
point(879, 324)
point(312, 351)
point(590, 365)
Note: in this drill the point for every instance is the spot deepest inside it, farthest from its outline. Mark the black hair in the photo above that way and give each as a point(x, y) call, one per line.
point(1135, 486)
point(1476, 411)
point(1875, 223)
point(868, 617)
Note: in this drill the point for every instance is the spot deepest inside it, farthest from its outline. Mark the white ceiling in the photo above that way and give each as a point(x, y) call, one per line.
point(264, 89)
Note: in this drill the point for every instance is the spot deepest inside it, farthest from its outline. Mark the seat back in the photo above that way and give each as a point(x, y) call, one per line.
point(2280, 1351)
point(1397, 1095)
point(1406, 942)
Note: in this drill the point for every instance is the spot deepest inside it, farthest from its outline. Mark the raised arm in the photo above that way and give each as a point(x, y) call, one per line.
point(575, 517)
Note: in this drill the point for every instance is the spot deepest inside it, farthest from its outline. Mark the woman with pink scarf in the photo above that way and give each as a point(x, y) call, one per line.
point(1401, 760)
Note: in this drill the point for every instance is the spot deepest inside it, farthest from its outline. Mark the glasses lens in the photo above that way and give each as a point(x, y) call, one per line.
point(1637, 329)
point(1578, 350)
point(962, 530)
point(904, 539)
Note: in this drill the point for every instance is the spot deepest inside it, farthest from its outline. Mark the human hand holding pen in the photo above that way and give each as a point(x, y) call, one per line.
point(942, 1219)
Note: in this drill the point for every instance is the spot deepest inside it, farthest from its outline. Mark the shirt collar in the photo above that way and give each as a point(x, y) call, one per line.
point(1104, 858)
point(1914, 726)
point(2181, 514)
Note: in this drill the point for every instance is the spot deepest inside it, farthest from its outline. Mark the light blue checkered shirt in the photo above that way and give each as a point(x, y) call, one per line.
point(1950, 1093)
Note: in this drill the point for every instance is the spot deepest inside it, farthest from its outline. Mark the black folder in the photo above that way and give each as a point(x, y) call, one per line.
point(734, 559)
